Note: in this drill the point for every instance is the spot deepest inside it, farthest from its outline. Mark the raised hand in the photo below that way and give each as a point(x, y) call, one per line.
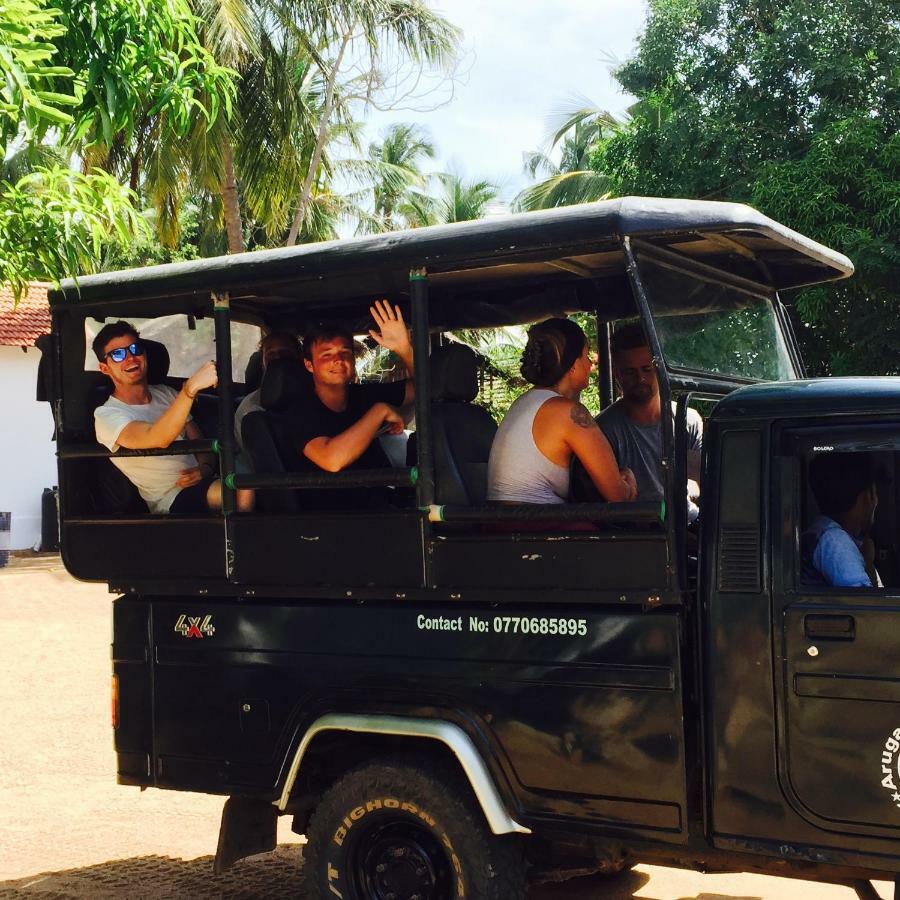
point(392, 333)
point(205, 377)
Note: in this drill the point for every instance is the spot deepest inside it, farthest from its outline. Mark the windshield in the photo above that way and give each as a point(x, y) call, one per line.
point(711, 327)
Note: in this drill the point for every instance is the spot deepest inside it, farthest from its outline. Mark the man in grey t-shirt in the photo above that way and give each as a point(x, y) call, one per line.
point(632, 423)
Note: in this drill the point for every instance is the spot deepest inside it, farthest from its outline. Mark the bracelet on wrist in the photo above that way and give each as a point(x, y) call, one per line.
point(188, 394)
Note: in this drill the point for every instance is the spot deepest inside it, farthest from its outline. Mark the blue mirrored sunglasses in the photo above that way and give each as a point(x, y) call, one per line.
point(118, 355)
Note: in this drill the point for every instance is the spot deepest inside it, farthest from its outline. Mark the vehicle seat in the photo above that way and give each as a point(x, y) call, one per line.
point(111, 492)
point(462, 432)
point(253, 372)
point(266, 433)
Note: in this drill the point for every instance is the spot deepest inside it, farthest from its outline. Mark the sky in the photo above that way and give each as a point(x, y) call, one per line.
point(521, 61)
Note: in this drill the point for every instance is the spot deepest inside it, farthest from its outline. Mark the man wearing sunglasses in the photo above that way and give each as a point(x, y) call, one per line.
point(142, 416)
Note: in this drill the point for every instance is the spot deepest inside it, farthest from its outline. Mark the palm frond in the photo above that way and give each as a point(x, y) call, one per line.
point(424, 35)
point(536, 162)
point(230, 30)
point(577, 110)
point(461, 200)
point(30, 157)
point(564, 189)
point(418, 209)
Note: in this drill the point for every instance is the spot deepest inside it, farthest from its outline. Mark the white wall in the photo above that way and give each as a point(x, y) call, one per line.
point(27, 453)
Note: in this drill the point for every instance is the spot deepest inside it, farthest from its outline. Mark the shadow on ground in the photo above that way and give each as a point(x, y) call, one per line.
point(271, 876)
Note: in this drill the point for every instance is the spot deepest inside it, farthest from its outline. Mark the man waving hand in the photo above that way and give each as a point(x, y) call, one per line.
point(337, 429)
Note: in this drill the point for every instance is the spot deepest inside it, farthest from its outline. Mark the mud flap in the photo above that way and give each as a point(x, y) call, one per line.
point(248, 827)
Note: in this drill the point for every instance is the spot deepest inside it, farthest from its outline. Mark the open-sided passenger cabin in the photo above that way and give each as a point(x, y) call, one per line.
point(702, 277)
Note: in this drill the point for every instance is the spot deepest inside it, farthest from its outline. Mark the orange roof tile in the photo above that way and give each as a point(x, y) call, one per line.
point(19, 326)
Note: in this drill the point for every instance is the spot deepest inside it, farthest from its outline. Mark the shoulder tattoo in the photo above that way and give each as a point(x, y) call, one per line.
point(580, 416)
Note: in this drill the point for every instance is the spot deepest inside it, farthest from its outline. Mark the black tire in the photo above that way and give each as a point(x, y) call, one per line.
point(396, 832)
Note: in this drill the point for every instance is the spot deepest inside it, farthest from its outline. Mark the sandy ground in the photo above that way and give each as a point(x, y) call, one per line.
point(67, 829)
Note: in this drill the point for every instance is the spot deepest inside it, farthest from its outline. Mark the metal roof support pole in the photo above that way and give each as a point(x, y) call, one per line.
point(418, 288)
point(665, 399)
point(421, 341)
point(604, 363)
point(222, 313)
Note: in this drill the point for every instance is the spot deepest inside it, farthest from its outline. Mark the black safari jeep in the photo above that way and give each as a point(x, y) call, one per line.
point(450, 697)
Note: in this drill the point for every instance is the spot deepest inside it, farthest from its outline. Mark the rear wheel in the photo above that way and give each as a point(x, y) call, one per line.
point(387, 832)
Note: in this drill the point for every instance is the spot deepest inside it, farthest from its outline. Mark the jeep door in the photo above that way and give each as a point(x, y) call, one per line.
point(839, 648)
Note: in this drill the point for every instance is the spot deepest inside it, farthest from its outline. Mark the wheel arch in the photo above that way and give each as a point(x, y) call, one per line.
point(450, 735)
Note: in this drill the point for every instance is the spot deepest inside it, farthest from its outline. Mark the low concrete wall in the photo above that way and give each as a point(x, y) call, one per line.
point(27, 453)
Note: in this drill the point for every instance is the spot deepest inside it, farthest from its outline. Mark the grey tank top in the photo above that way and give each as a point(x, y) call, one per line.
point(517, 471)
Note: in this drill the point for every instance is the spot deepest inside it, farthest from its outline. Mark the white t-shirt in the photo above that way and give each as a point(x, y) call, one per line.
point(153, 476)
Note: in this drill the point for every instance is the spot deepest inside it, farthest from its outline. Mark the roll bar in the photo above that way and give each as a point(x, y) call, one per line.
point(652, 513)
point(362, 478)
point(176, 448)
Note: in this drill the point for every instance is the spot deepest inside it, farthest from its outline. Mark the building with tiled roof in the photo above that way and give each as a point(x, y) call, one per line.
point(27, 449)
point(21, 324)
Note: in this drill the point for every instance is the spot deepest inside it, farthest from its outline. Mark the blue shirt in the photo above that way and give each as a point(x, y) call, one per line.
point(832, 557)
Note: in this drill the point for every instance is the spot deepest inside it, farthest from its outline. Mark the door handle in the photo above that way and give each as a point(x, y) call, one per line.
point(829, 628)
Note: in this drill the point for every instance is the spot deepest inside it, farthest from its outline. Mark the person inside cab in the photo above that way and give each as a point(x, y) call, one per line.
point(547, 425)
point(836, 549)
point(337, 428)
point(141, 416)
point(632, 424)
point(275, 345)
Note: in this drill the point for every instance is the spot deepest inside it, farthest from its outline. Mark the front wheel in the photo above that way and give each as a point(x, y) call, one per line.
point(386, 832)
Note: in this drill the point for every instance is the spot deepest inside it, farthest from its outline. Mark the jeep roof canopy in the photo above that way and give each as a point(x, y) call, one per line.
point(481, 274)
point(569, 244)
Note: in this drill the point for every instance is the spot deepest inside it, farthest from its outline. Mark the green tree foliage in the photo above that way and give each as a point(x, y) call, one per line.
point(138, 62)
point(793, 106)
point(458, 200)
point(73, 76)
point(358, 34)
point(398, 157)
point(845, 192)
point(576, 129)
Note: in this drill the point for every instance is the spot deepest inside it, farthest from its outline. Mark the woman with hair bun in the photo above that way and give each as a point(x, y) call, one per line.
point(534, 445)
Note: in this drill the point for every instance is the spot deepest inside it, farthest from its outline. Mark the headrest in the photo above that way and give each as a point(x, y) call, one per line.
point(454, 374)
point(253, 372)
point(284, 383)
point(157, 361)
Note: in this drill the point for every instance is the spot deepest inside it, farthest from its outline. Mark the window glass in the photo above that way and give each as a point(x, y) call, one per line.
point(188, 348)
point(500, 380)
point(848, 507)
point(711, 327)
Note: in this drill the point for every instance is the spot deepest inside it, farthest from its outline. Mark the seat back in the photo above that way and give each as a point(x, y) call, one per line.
point(266, 433)
point(462, 432)
point(253, 372)
point(258, 434)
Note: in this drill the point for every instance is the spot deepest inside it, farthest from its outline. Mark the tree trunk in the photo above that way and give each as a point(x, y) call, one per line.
point(232, 205)
point(306, 191)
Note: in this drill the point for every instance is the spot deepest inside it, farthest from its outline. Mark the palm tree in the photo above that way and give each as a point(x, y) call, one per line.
point(272, 145)
point(577, 128)
point(397, 156)
point(459, 201)
point(362, 27)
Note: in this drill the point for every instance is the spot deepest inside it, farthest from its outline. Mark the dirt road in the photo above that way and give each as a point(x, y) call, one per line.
point(67, 829)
